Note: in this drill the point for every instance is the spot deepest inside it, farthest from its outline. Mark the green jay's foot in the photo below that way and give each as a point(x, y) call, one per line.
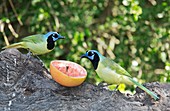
point(29, 54)
point(40, 60)
point(102, 84)
point(116, 88)
point(114, 91)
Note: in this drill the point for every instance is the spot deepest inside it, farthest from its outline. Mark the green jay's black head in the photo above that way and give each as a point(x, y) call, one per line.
point(93, 56)
point(51, 38)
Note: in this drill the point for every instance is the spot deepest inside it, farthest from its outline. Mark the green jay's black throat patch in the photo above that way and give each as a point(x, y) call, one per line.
point(50, 43)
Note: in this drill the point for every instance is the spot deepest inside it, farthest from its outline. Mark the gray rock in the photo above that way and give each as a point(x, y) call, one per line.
point(24, 87)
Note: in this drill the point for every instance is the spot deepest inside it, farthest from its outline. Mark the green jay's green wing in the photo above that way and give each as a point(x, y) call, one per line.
point(107, 62)
point(34, 38)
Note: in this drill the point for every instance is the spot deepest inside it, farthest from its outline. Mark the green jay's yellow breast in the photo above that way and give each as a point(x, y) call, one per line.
point(111, 76)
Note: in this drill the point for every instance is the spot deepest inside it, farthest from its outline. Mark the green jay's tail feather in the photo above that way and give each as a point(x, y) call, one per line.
point(152, 94)
point(15, 45)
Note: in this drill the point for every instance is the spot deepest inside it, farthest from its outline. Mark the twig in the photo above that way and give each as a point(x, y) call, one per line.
point(5, 8)
point(15, 12)
point(5, 38)
point(2, 25)
point(53, 14)
point(12, 30)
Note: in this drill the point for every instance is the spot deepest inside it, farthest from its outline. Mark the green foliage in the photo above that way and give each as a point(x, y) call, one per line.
point(134, 33)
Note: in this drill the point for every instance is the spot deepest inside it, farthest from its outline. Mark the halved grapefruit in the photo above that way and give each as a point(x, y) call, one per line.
point(67, 73)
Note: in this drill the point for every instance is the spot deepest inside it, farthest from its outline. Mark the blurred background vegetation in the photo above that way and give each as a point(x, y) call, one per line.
point(134, 33)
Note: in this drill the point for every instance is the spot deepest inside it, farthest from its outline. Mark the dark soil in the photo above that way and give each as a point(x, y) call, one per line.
point(24, 86)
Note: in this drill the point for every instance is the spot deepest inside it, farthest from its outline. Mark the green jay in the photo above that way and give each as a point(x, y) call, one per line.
point(38, 44)
point(111, 72)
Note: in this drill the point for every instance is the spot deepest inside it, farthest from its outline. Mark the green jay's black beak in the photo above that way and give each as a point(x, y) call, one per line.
point(84, 56)
point(61, 37)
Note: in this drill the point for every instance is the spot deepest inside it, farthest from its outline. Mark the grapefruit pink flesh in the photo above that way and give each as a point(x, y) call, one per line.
point(70, 68)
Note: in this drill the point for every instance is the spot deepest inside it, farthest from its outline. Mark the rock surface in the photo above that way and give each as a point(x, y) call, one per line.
point(24, 87)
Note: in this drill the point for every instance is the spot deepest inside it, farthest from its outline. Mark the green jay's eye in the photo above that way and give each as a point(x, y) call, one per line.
point(90, 53)
point(55, 35)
